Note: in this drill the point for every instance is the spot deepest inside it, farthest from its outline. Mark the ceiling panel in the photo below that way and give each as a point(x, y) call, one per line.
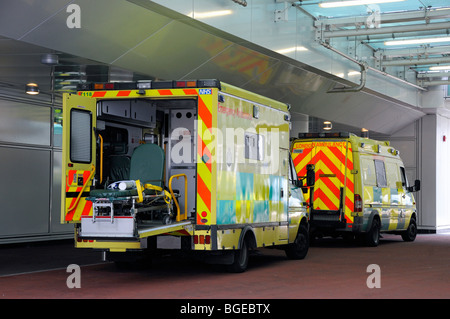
point(108, 30)
point(159, 43)
point(173, 52)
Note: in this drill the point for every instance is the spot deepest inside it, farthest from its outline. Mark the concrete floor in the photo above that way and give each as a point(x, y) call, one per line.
point(333, 268)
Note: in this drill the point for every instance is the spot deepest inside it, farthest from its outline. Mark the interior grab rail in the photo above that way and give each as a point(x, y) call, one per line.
point(180, 216)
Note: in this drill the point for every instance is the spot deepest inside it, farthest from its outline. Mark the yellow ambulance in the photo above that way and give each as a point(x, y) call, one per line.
point(200, 166)
point(360, 187)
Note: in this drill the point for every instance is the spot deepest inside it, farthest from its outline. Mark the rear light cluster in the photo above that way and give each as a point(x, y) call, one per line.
point(202, 239)
point(358, 203)
point(149, 85)
point(80, 240)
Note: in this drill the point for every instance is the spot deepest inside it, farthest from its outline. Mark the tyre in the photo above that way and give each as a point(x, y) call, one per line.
point(299, 248)
point(240, 261)
point(372, 238)
point(411, 232)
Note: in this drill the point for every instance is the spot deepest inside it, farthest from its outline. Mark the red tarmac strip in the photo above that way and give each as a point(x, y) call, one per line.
point(333, 268)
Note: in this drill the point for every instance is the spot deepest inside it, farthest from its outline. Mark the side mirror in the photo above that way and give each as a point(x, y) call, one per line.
point(416, 186)
point(310, 175)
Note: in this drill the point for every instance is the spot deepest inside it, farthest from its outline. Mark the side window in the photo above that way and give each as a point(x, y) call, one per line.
point(392, 174)
point(292, 173)
point(80, 136)
point(403, 176)
point(254, 146)
point(368, 172)
point(381, 173)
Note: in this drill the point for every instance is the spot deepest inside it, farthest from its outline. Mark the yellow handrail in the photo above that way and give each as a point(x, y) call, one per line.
point(179, 216)
point(101, 158)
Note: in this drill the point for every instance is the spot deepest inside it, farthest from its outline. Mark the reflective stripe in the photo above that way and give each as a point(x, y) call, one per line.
point(204, 162)
point(83, 207)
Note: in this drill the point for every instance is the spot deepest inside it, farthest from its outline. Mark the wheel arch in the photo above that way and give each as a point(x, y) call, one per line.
point(375, 214)
point(248, 234)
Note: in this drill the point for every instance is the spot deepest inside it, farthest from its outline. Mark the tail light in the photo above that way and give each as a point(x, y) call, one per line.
point(358, 203)
point(202, 239)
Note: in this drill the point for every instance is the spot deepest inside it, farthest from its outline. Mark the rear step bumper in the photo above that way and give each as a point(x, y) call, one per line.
point(125, 227)
point(183, 227)
point(327, 218)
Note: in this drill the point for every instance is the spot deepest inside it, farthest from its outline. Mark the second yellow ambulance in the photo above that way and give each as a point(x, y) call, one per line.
point(361, 187)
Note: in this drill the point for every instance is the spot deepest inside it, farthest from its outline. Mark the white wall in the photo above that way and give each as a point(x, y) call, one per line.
point(443, 172)
point(428, 170)
point(427, 157)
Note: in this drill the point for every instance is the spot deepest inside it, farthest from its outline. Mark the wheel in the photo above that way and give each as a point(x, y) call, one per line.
point(167, 220)
point(299, 248)
point(240, 261)
point(411, 232)
point(372, 237)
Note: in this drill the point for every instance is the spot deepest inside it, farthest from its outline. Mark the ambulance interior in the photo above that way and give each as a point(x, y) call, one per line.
point(123, 126)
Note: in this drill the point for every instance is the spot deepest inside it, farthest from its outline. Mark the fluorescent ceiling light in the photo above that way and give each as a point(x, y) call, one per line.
point(292, 49)
point(417, 41)
point(209, 14)
point(337, 4)
point(440, 68)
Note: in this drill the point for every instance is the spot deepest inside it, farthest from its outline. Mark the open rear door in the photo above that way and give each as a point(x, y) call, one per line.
point(78, 163)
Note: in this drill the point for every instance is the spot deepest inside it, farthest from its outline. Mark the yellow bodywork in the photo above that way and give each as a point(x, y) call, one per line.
point(242, 165)
point(361, 167)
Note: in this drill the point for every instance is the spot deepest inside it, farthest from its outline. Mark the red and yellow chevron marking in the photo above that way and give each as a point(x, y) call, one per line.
point(83, 207)
point(204, 162)
point(134, 93)
point(333, 163)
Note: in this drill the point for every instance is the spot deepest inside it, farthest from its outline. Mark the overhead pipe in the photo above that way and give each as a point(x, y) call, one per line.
point(389, 17)
point(433, 75)
point(434, 83)
point(397, 29)
point(421, 51)
point(241, 2)
point(377, 38)
point(362, 66)
point(415, 61)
